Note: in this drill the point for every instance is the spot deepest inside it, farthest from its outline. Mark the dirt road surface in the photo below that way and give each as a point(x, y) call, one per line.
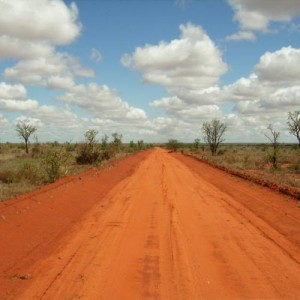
point(154, 225)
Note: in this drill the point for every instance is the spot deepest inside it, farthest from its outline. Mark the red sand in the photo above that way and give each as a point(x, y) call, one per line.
point(153, 226)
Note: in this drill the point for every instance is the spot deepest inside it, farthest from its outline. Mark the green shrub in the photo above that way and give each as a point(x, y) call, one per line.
point(87, 154)
point(53, 163)
point(173, 145)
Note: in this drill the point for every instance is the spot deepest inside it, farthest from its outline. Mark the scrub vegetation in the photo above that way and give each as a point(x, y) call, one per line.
point(26, 166)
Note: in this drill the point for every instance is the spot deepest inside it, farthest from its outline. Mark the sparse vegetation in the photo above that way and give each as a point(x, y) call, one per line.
point(54, 162)
point(24, 130)
point(254, 160)
point(273, 138)
point(20, 173)
point(173, 144)
point(294, 124)
point(88, 152)
point(49, 161)
point(213, 134)
point(196, 144)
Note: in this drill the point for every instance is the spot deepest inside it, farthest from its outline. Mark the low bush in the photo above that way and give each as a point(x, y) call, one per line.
point(54, 162)
point(87, 154)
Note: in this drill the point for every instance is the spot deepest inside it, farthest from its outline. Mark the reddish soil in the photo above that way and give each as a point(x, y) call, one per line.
point(254, 176)
point(153, 226)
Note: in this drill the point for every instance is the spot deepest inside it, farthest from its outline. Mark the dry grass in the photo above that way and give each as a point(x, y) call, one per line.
point(255, 160)
point(21, 173)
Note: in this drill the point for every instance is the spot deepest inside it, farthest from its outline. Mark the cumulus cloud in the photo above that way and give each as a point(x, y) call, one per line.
point(256, 15)
point(55, 71)
point(242, 35)
point(7, 91)
point(11, 47)
point(31, 28)
point(29, 31)
point(193, 61)
point(280, 67)
point(272, 89)
point(39, 20)
point(32, 121)
point(16, 105)
point(166, 127)
point(101, 101)
point(13, 98)
point(189, 68)
point(177, 108)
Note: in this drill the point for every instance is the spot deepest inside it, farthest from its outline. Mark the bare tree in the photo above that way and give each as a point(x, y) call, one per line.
point(213, 134)
point(24, 130)
point(294, 124)
point(273, 138)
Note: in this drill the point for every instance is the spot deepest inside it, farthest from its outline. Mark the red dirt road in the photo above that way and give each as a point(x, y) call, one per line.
point(154, 226)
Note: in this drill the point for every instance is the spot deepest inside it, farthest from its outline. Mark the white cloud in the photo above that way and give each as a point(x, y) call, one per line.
point(192, 62)
point(242, 35)
point(256, 15)
point(29, 120)
point(273, 88)
point(39, 20)
point(178, 109)
point(210, 95)
point(17, 105)
point(55, 71)
point(101, 101)
point(60, 82)
point(13, 98)
point(29, 31)
point(189, 68)
point(280, 67)
point(11, 47)
point(17, 91)
point(96, 55)
point(31, 28)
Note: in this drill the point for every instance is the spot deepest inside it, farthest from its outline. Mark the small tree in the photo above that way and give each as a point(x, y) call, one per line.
point(294, 124)
point(53, 162)
point(90, 136)
point(273, 138)
point(24, 130)
point(132, 145)
point(213, 134)
point(104, 142)
point(88, 152)
point(196, 144)
point(173, 144)
point(140, 145)
point(117, 141)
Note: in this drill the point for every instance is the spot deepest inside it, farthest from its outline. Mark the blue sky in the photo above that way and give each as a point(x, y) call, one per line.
point(151, 70)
